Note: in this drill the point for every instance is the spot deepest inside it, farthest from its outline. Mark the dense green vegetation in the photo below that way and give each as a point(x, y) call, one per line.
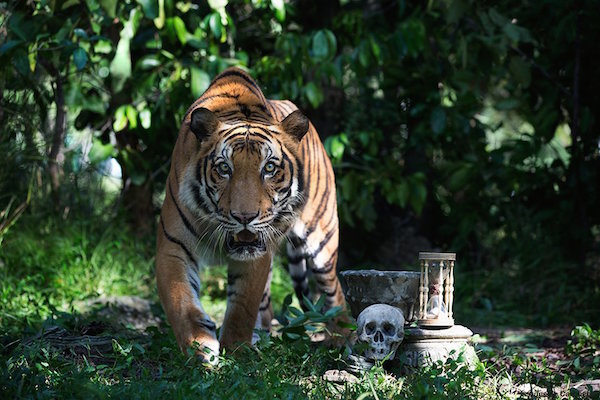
point(460, 125)
point(55, 346)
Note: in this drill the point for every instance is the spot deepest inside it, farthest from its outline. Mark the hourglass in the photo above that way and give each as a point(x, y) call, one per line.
point(436, 289)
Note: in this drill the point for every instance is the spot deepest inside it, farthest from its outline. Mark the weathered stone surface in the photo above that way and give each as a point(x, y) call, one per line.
point(423, 347)
point(339, 376)
point(363, 288)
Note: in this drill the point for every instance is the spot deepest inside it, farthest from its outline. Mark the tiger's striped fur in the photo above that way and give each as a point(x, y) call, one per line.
point(246, 172)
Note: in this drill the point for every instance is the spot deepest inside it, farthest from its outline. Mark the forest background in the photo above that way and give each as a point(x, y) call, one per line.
point(456, 125)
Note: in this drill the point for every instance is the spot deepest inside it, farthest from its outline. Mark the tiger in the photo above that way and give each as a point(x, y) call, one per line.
point(246, 174)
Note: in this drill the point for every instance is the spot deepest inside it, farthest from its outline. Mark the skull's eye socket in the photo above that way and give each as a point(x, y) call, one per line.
point(269, 167)
point(370, 328)
point(389, 329)
point(223, 169)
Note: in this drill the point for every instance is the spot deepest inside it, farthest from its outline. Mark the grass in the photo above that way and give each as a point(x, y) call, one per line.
point(52, 346)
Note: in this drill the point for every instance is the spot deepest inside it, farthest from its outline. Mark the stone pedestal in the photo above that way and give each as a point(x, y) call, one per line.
point(422, 347)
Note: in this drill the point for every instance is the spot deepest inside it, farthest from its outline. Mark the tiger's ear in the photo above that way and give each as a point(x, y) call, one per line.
point(203, 123)
point(296, 125)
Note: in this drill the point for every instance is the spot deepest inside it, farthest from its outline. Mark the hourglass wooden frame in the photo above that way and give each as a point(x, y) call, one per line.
point(445, 289)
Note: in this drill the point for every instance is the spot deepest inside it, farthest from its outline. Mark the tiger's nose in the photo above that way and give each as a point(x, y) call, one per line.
point(244, 217)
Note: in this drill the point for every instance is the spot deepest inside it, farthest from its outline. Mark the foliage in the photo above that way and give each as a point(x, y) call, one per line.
point(39, 277)
point(470, 123)
point(584, 347)
point(87, 261)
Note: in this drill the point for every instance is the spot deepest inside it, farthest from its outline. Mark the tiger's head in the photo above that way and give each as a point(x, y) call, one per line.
point(246, 181)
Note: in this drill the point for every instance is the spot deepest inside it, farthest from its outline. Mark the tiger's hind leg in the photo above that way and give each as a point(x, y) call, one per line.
point(319, 253)
point(296, 253)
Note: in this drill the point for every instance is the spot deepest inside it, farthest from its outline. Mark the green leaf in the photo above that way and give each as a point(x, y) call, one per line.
point(324, 45)
point(332, 312)
point(120, 67)
point(294, 311)
point(80, 33)
point(521, 70)
point(23, 26)
point(279, 7)
point(110, 6)
point(93, 103)
point(498, 18)
point(511, 31)
point(131, 113)
point(320, 302)
point(20, 61)
point(180, 29)
point(103, 47)
point(364, 54)
point(217, 5)
point(314, 94)
point(375, 49)
point(459, 178)
point(149, 62)
point(9, 45)
point(506, 104)
point(120, 121)
point(200, 81)
point(216, 27)
point(80, 58)
point(146, 118)
point(100, 152)
point(438, 120)
point(293, 336)
point(159, 21)
point(306, 301)
point(150, 8)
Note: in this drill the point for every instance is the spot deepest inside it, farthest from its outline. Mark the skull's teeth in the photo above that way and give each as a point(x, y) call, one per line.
point(235, 237)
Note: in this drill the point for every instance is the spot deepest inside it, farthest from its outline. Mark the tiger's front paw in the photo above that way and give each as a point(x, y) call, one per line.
point(207, 349)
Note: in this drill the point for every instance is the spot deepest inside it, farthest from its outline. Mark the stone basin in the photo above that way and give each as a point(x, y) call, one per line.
point(366, 287)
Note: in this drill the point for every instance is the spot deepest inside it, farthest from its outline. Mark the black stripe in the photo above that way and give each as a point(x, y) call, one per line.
point(177, 242)
point(298, 279)
point(263, 308)
point(325, 280)
point(322, 207)
point(186, 222)
point(199, 200)
point(295, 259)
point(202, 100)
point(258, 93)
point(328, 266)
point(323, 242)
point(208, 324)
point(231, 278)
point(195, 284)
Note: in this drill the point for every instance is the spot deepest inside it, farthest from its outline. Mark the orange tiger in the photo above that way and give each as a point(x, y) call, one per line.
point(246, 172)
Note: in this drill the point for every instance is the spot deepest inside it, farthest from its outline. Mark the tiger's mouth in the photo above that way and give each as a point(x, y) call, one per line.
point(245, 244)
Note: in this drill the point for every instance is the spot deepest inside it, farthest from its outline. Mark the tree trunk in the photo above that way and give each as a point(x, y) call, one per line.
point(137, 204)
point(55, 155)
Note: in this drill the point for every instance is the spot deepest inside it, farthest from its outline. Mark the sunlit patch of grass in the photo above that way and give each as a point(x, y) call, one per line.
point(49, 267)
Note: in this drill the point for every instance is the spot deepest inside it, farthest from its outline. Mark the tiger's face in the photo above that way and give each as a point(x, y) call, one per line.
point(247, 181)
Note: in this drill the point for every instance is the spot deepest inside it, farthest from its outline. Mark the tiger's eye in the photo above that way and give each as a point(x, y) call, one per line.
point(269, 167)
point(223, 168)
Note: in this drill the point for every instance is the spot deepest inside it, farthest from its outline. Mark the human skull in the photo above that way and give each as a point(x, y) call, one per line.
point(381, 326)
